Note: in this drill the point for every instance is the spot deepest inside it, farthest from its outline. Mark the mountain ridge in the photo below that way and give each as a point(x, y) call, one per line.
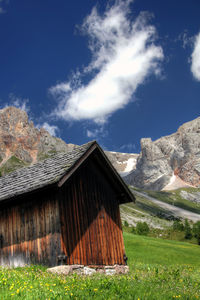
point(22, 144)
point(169, 162)
point(173, 159)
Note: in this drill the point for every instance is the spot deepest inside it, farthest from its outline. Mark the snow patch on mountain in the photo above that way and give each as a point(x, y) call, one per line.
point(130, 164)
point(124, 163)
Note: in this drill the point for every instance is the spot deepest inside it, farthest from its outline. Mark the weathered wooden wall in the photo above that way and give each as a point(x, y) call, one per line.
point(30, 230)
point(81, 219)
point(90, 219)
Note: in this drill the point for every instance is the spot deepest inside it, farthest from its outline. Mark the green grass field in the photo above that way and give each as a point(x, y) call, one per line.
point(159, 269)
point(147, 250)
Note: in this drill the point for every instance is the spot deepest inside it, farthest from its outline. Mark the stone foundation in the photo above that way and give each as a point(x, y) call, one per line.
point(89, 270)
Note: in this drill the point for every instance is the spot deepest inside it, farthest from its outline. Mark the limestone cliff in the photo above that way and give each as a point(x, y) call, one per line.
point(21, 143)
point(169, 162)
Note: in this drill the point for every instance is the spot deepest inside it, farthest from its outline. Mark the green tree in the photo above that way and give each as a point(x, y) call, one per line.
point(126, 223)
point(178, 226)
point(133, 229)
point(196, 231)
point(142, 228)
point(188, 230)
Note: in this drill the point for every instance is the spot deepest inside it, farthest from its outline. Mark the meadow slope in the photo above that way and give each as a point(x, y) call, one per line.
point(159, 269)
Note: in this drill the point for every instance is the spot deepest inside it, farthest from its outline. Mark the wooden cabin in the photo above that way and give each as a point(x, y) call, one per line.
point(64, 209)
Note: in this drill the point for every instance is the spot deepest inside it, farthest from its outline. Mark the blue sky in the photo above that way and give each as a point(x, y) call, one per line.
point(114, 71)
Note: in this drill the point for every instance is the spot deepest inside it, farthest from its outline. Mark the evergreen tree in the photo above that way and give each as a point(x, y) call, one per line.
point(126, 224)
point(196, 231)
point(188, 230)
point(178, 225)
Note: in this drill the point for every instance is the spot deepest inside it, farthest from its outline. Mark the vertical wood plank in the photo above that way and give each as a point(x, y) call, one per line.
point(61, 196)
point(93, 228)
point(38, 240)
point(67, 224)
point(72, 232)
point(57, 228)
point(22, 232)
point(77, 249)
point(84, 221)
point(79, 241)
point(89, 209)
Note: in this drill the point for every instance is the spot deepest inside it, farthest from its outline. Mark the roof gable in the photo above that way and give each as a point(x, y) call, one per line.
point(51, 171)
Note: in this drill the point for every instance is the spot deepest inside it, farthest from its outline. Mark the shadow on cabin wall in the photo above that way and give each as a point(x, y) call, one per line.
point(81, 220)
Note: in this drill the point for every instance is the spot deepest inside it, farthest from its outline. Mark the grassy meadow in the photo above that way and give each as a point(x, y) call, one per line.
point(159, 269)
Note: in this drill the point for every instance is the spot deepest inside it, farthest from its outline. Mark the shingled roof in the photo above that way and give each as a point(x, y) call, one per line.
point(47, 172)
point(43, 173)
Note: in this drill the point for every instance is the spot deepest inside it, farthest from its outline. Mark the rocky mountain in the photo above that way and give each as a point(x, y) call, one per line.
point(21, 143)
point(169, 162)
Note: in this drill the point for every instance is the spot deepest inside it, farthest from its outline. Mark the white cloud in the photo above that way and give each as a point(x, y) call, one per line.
point(3, 3)
point(1, 9)
point(123, 55)
point(92, 133)
point(128, 147)
point(52, 129)
point(186, 39)
point(18, 102)
point(96, 133)
point(195, 66)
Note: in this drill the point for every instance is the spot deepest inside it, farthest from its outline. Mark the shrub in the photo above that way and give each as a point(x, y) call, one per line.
point(142, 228)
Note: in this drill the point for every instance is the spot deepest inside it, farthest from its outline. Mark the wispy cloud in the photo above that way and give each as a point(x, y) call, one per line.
point(124, 53)
point(97, 133)
point(2, 5)
point(130, 147)
point(21, 103)
point(186, 39)
point(195, 58)
point(52, 129)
